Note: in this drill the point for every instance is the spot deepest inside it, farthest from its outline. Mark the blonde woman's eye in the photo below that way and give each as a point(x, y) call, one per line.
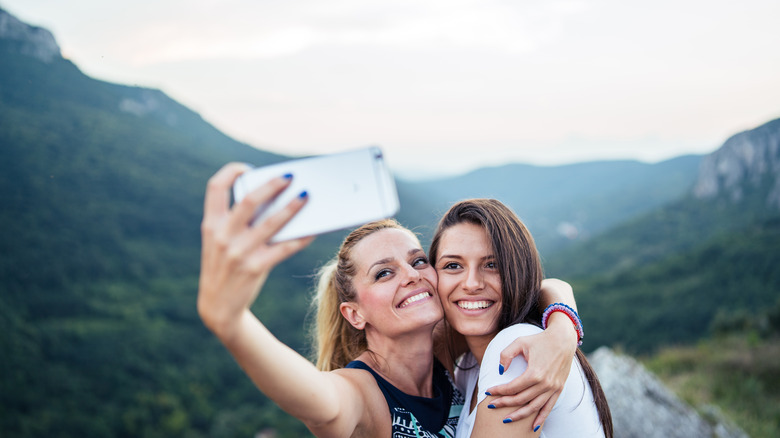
point(420, 261)
point(381, 274)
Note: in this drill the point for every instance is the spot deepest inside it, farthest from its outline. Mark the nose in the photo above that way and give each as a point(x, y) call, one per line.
point(412, 275)
point(474, 281)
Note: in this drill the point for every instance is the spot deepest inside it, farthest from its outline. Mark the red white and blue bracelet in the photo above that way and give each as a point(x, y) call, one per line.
point(568, 311)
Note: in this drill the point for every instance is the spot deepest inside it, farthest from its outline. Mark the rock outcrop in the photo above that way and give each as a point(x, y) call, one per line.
point(642, 407)
point(747, 161)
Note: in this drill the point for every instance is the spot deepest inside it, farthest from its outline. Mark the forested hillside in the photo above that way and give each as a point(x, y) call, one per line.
point(102, 189)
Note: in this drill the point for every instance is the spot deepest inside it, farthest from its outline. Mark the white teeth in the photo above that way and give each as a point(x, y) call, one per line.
point(473, 305)
point(414, 298)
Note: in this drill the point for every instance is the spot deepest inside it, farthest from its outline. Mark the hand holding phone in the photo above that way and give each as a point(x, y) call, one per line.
point(344, 190)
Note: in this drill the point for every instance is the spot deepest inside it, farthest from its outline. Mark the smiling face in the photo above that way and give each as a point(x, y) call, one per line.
point(469, 280)
point(395, 285)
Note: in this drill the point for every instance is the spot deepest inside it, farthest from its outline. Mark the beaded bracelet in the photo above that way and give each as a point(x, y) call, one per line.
point(568, 311)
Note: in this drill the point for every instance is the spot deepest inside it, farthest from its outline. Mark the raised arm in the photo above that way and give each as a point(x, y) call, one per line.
point(235, 262)
point(549, 355)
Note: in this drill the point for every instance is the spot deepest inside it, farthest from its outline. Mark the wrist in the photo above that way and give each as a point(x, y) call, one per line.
point(571, 314)
point(562, 328)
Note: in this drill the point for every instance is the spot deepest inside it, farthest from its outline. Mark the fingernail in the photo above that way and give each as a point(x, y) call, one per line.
point(507, 420)
point(287, 176)
point(487, 393)
point(491, 406)
point(536, 428)
point(500, 370)
point(303, 194)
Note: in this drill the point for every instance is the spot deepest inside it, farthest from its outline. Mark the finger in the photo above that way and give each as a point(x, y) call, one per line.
point(216, 205)
point(217, 199)
point(527, 410)
point(527, 381)
point(516, 348)
point(262, 232)
point(535, 393)
point(541, 417)
point(280, 251)
point(245, 210)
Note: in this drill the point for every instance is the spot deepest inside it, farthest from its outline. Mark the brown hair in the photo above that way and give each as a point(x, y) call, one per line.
point(336, 341)
point(520, 270)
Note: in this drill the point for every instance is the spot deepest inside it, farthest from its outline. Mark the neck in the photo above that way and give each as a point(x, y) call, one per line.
point(405, 361)
point(478, 344)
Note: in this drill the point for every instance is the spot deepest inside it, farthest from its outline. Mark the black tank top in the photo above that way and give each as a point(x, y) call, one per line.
point(421, 417)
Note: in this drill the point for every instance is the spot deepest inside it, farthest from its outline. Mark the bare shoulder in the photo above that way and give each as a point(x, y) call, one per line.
point(374, 413)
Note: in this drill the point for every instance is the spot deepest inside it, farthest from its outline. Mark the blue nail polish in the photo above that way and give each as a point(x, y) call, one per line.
point(500, 370)
point(491, 406)
point(287, 176)
point(487, 393)
point(536, 428)
point(303, 194)
point(507, 420)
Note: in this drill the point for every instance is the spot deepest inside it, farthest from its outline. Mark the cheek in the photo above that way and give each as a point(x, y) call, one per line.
point(374, 298)
point(445, 287)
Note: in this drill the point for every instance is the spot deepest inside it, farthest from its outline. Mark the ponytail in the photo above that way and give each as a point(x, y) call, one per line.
point(336, 341)
point(605, 416)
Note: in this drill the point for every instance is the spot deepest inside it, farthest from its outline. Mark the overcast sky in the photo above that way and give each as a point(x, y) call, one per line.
point(443, 86)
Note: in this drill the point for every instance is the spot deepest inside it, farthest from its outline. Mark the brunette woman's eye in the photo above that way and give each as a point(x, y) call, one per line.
point(491, 265)
point(451, 265)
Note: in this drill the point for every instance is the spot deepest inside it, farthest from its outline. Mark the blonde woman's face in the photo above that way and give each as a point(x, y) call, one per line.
point(395, 283)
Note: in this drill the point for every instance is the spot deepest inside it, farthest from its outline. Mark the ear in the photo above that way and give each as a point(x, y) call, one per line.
point(351, 312)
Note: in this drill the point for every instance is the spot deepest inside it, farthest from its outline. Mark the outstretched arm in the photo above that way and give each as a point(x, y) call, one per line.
point(549, 355)
point(235, 262)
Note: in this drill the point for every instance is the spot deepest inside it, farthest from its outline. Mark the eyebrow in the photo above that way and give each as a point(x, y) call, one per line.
point(390, 259)
point(460, 257)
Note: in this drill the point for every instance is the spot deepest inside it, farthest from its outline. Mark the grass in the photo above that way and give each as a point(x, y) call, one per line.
point(738, 375)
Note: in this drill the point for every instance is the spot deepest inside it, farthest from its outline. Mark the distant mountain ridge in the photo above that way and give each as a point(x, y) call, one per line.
point(562, 205)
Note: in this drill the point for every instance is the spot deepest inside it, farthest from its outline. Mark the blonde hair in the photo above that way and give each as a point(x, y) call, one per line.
point(336, 341)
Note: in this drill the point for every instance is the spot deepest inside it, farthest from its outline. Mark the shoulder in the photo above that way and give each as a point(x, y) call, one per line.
point(489, 374)
point(508, 335)
point(368, 400)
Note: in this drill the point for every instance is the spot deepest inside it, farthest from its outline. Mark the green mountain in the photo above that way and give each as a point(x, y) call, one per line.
point(102, 187)
point(669, 276)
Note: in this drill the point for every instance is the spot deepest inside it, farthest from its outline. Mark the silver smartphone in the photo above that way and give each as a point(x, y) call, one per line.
point(344, 189)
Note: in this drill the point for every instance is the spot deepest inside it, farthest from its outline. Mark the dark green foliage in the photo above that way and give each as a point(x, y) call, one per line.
point(99, 261)
point(681, 298)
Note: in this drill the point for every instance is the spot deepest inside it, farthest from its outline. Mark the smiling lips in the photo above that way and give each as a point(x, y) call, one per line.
point(475, 305)
point(413, 298)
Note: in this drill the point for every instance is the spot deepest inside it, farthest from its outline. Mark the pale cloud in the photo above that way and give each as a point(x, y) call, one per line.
point(478, 82)
point(249, 32)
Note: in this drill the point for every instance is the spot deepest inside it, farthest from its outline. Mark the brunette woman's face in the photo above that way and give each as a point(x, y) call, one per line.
point(469, 280)
point(395, 283)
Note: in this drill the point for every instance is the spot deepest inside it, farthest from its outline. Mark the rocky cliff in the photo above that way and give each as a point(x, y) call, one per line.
point(28, 40)
point(642, 407)
point(747, 160)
